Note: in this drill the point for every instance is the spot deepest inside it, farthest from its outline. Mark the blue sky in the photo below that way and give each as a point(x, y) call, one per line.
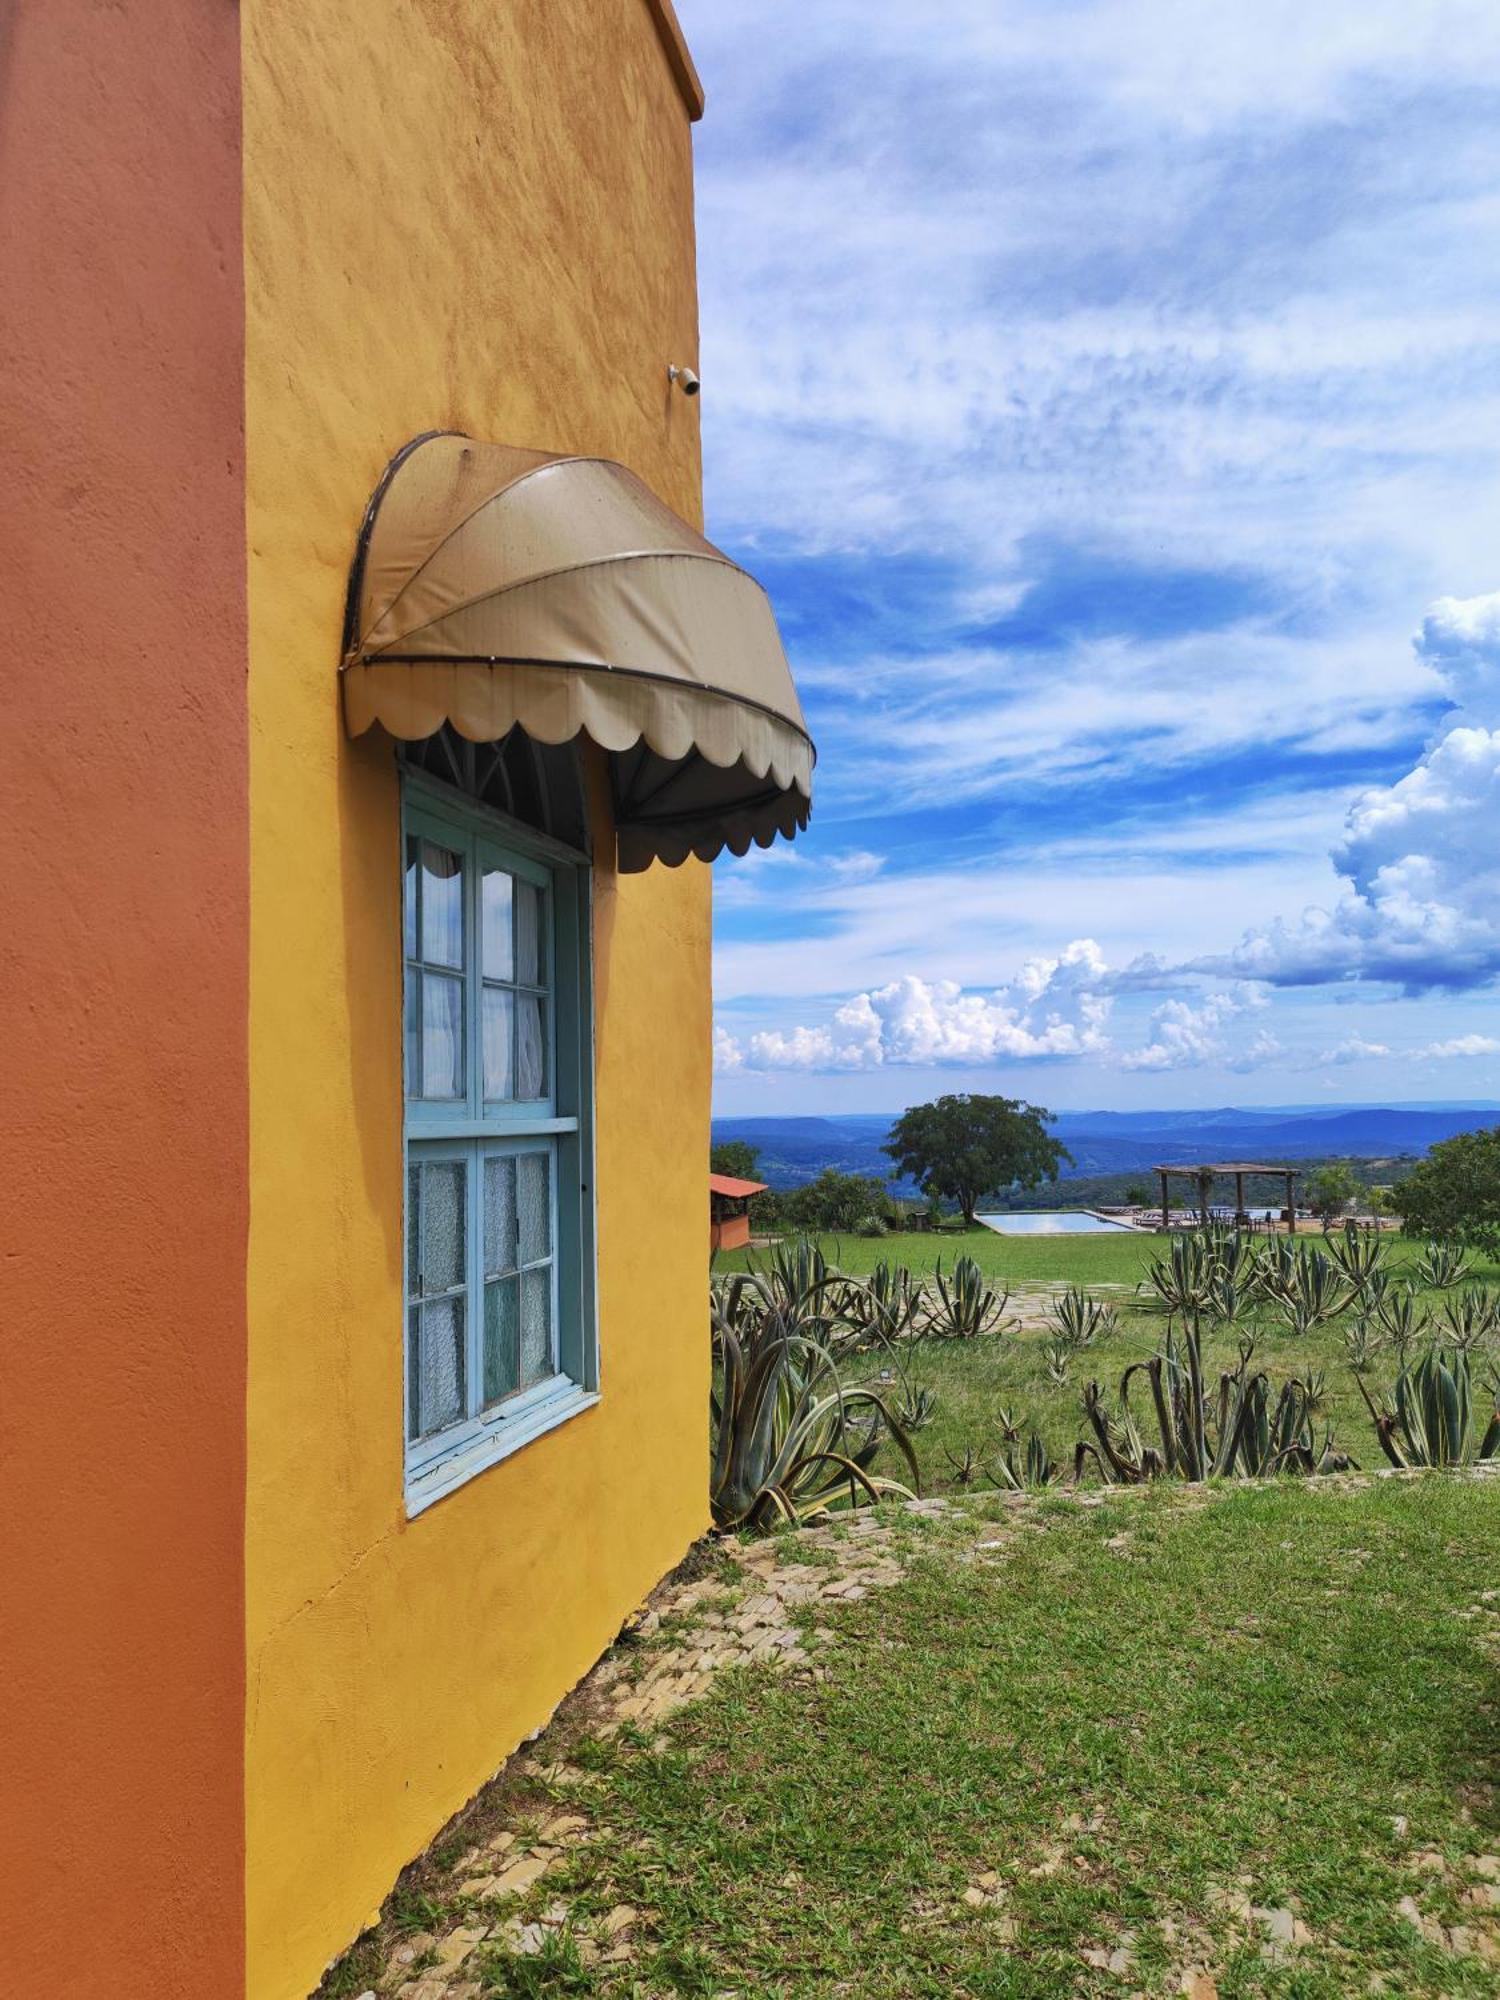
point(1109, 396)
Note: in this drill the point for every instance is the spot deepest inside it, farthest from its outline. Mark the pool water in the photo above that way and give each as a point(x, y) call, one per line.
point(1052, 1222)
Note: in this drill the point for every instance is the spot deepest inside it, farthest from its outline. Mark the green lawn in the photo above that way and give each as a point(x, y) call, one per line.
point(973, 1380)
point(1234, 1742)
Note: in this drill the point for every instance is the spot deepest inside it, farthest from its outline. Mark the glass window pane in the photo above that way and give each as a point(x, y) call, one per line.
point(498, 1017)
point(439, 1397)
point(536, 1326)
point(412, 1022)
point(531, 1046)
point(413, 1231)
point(534, 1202)
point(438, 1214)
point(409, 898)
point(502, 1375)
point(499, 948)
point(442, 1035)
point(442, 905)
point(531, 942)
point(500, 1214)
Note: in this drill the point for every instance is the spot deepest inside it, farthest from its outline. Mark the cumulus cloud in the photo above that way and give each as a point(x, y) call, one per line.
point(1463, 1045)
point(1354, 1049)
point(1186, 1034)
point(1053, 1007)
point(1420, 856)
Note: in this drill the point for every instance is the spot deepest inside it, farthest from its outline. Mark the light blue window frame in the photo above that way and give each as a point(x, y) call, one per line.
point(469, 1129)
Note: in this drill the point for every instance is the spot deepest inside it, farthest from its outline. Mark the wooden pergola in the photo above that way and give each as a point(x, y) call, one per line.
point(1205, 1172)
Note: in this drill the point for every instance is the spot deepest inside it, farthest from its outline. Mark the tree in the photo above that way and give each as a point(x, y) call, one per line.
point(834, 1201)
point(735, 1157)
point(964, 1147)
point(1331, 1188)
point(1454, 1194)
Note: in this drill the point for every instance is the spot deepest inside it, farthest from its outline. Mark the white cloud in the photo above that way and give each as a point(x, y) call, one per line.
point(1462, 1045)
point(1420, 856)
point(1354, 1049)
point(1052, 1008)
point(727, 1055)
point(1186, 1035)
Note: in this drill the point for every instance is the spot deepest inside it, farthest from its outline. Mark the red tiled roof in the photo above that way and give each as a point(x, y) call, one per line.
point(727, 1184)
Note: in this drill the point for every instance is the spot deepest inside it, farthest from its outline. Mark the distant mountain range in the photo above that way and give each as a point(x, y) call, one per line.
point(794, 1150)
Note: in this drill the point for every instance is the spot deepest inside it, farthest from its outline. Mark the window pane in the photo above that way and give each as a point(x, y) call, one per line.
point(413, 1231)
point(501, 1340)
point(499, 950)
point(531, 1046)
point(442, 905)
point(409, 898)
point(531, 943)
point(533, 1172)
point(442, 1035)
point(498, 1016)
point(500, 1214)
point(536, 1326)
point(413, 1026)
point(438, 1220)
point(439, 1369)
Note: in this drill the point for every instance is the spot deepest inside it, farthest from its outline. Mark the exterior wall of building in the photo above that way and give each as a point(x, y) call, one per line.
point(123, 1087)
point(730, 1232)
point(476, 217)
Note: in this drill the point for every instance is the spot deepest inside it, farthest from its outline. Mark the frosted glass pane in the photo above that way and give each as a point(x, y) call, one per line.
point(535, 1206)
point(440, 1365)
point(442, 905)
point(531, 1046)
point(498, 1016)
point(442, 1035)
point(499, 948)
point(501, 1340)
point(439, 1212)
point(500, 1215)
point(412, 1023)
point(413, 1231)
point(536, 1326)
point(409, 898)
point(531, 943)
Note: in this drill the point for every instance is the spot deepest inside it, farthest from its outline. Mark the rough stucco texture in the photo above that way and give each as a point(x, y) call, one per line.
point(491, 229)
point(123, 1006)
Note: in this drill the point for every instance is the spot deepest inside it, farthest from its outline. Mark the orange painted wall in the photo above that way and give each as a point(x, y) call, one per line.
point(123, 1003)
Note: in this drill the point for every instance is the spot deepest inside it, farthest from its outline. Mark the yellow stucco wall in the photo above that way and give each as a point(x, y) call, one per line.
point(475, 216)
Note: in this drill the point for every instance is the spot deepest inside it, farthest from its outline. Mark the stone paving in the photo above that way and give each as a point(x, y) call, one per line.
point(687, 1634)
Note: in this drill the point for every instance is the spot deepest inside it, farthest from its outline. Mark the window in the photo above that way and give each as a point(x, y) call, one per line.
point(499, 1214)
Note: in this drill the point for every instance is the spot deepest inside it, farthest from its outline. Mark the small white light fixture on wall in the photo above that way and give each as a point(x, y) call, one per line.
point(685, 379)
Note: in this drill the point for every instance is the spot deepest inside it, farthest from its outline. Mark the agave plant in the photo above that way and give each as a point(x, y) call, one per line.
point(1022, 1464)
point(879, 1309)
point(1080, 1320)
point(1197, 1434)
point(1401, 1320)
point(1441, 1266)
point(964, 1465)
point(1432, 1418)
point(1471, 1318)
point(1315, 1291)
point(1056, 1356)
point(967, 1307)
point(790, 1440)
point(1360, 1255)
point(1181, 1280)
point(1363, 1340)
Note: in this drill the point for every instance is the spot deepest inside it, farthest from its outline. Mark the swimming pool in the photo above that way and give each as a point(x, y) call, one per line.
point(1052, 1222)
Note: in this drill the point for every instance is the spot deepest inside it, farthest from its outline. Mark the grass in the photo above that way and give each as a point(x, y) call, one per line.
point(975, 1379)
point(1073, 1731)
point(1256, 1688)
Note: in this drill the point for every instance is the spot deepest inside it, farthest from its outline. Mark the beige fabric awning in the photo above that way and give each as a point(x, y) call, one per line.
point(495, 587)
